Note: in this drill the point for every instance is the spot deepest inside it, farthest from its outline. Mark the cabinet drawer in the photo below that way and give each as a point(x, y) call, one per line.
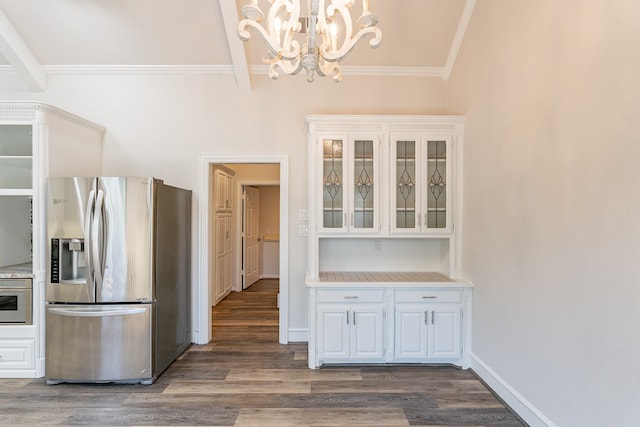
point(17, 354)
point(351, 295)
point(427, 295)
point(15, 284)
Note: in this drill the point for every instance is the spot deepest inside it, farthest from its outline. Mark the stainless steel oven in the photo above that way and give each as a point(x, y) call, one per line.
point(15, 301)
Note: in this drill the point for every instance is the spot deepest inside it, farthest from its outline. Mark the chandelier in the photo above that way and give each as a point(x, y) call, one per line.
point(327, 35)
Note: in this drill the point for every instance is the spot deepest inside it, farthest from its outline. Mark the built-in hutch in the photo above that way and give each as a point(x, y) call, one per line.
point(384, 241)
point(36, 141)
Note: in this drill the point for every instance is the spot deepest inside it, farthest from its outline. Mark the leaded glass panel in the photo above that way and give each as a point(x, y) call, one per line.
point(437, 184)
point(363, 184)
point(332, 179)
point(405, 184)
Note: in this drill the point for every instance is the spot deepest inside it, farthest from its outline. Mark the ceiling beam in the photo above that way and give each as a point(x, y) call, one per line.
point(16, 51)
point(457, 40)
point(236, 47)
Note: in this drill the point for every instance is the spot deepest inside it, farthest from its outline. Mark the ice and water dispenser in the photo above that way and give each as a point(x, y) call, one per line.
point(67, 261)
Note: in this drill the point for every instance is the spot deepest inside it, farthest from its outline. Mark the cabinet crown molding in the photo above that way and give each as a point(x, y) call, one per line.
point(29, 110)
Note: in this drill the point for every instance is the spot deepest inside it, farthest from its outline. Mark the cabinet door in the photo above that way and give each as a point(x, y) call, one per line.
point(435, 182)
point(410, 333)
point(221, 190)
point(219, 287)
point(367, 333)
point(332, 200)
point(364, 179)
point(445, 334)
point(333, 332)
point(221, 239)
point(421, 195)
point(406, 195)
point(228, 273)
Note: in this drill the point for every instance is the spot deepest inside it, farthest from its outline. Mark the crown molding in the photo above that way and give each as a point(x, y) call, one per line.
point(138, 69)
point(28, 109)
point(351, 70)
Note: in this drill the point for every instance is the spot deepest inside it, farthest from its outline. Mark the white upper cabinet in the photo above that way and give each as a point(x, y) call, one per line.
point(348, 183)
point(420, 190)
point(16, 159)
point(384, 176)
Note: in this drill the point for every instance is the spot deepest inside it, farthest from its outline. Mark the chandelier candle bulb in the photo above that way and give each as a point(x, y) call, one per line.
point(365, 6)
point(334, 36)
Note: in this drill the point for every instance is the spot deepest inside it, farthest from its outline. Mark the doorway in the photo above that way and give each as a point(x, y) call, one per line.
point(202, 295)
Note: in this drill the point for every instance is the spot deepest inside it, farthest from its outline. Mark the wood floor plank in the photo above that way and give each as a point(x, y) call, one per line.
point(237, 387)
point(293, 375)
point(313, 417)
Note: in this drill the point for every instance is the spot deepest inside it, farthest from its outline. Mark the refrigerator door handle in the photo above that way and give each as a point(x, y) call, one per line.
point(97, 313)
point(97, 251)
point(88, 215)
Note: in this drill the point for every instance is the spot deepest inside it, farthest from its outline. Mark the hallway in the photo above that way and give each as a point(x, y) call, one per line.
point(244, 377)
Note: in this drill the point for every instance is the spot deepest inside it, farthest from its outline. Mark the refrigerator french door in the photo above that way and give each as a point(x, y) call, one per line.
point(118, 285)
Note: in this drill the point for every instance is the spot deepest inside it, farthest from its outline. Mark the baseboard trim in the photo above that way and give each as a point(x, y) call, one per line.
point(298, 335)
point(521, 406)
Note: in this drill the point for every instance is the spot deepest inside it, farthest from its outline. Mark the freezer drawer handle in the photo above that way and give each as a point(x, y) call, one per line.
point(89, 313)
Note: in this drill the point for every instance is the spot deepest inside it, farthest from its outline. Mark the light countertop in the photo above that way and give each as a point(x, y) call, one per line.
point(376, 278)
point(18, 271)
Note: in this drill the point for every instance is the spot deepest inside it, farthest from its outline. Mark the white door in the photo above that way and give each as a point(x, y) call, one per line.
point(251, 240)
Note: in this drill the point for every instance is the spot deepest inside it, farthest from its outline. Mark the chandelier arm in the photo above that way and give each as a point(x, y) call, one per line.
point(325, 68)
point(289, 49)
point(348, 45)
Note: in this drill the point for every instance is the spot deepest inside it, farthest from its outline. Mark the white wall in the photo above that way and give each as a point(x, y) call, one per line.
point(552, 208)
point(160, 125)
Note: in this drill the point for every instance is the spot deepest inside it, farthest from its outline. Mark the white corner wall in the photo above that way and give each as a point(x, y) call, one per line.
point(552, 208)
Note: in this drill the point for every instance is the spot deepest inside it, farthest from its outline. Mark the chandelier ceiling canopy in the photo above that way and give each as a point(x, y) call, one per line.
point(316, 43)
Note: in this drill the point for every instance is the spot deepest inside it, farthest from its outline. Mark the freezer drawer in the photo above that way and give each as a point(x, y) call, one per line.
point(99, 343)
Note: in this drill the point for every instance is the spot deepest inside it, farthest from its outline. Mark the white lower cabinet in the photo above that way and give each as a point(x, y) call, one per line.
point(427, 333)
point(350, 333)
point(425, 325)
point(17, 354)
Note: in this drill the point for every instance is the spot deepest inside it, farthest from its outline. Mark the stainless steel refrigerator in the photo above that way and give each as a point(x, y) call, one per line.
point(118, 279)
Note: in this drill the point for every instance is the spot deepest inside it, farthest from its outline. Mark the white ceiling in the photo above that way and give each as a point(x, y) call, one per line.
point(43, 37)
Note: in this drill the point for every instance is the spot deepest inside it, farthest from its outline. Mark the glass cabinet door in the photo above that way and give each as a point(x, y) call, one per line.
point(405, 215)
point(332, 184)
point(420, 192)
point(436, 184)
point(349, 184)
point(363, 215)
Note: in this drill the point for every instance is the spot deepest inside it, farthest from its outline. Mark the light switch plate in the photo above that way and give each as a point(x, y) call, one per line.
point(303, 215)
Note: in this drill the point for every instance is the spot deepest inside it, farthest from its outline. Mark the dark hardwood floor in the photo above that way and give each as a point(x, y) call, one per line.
point(245, 378)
